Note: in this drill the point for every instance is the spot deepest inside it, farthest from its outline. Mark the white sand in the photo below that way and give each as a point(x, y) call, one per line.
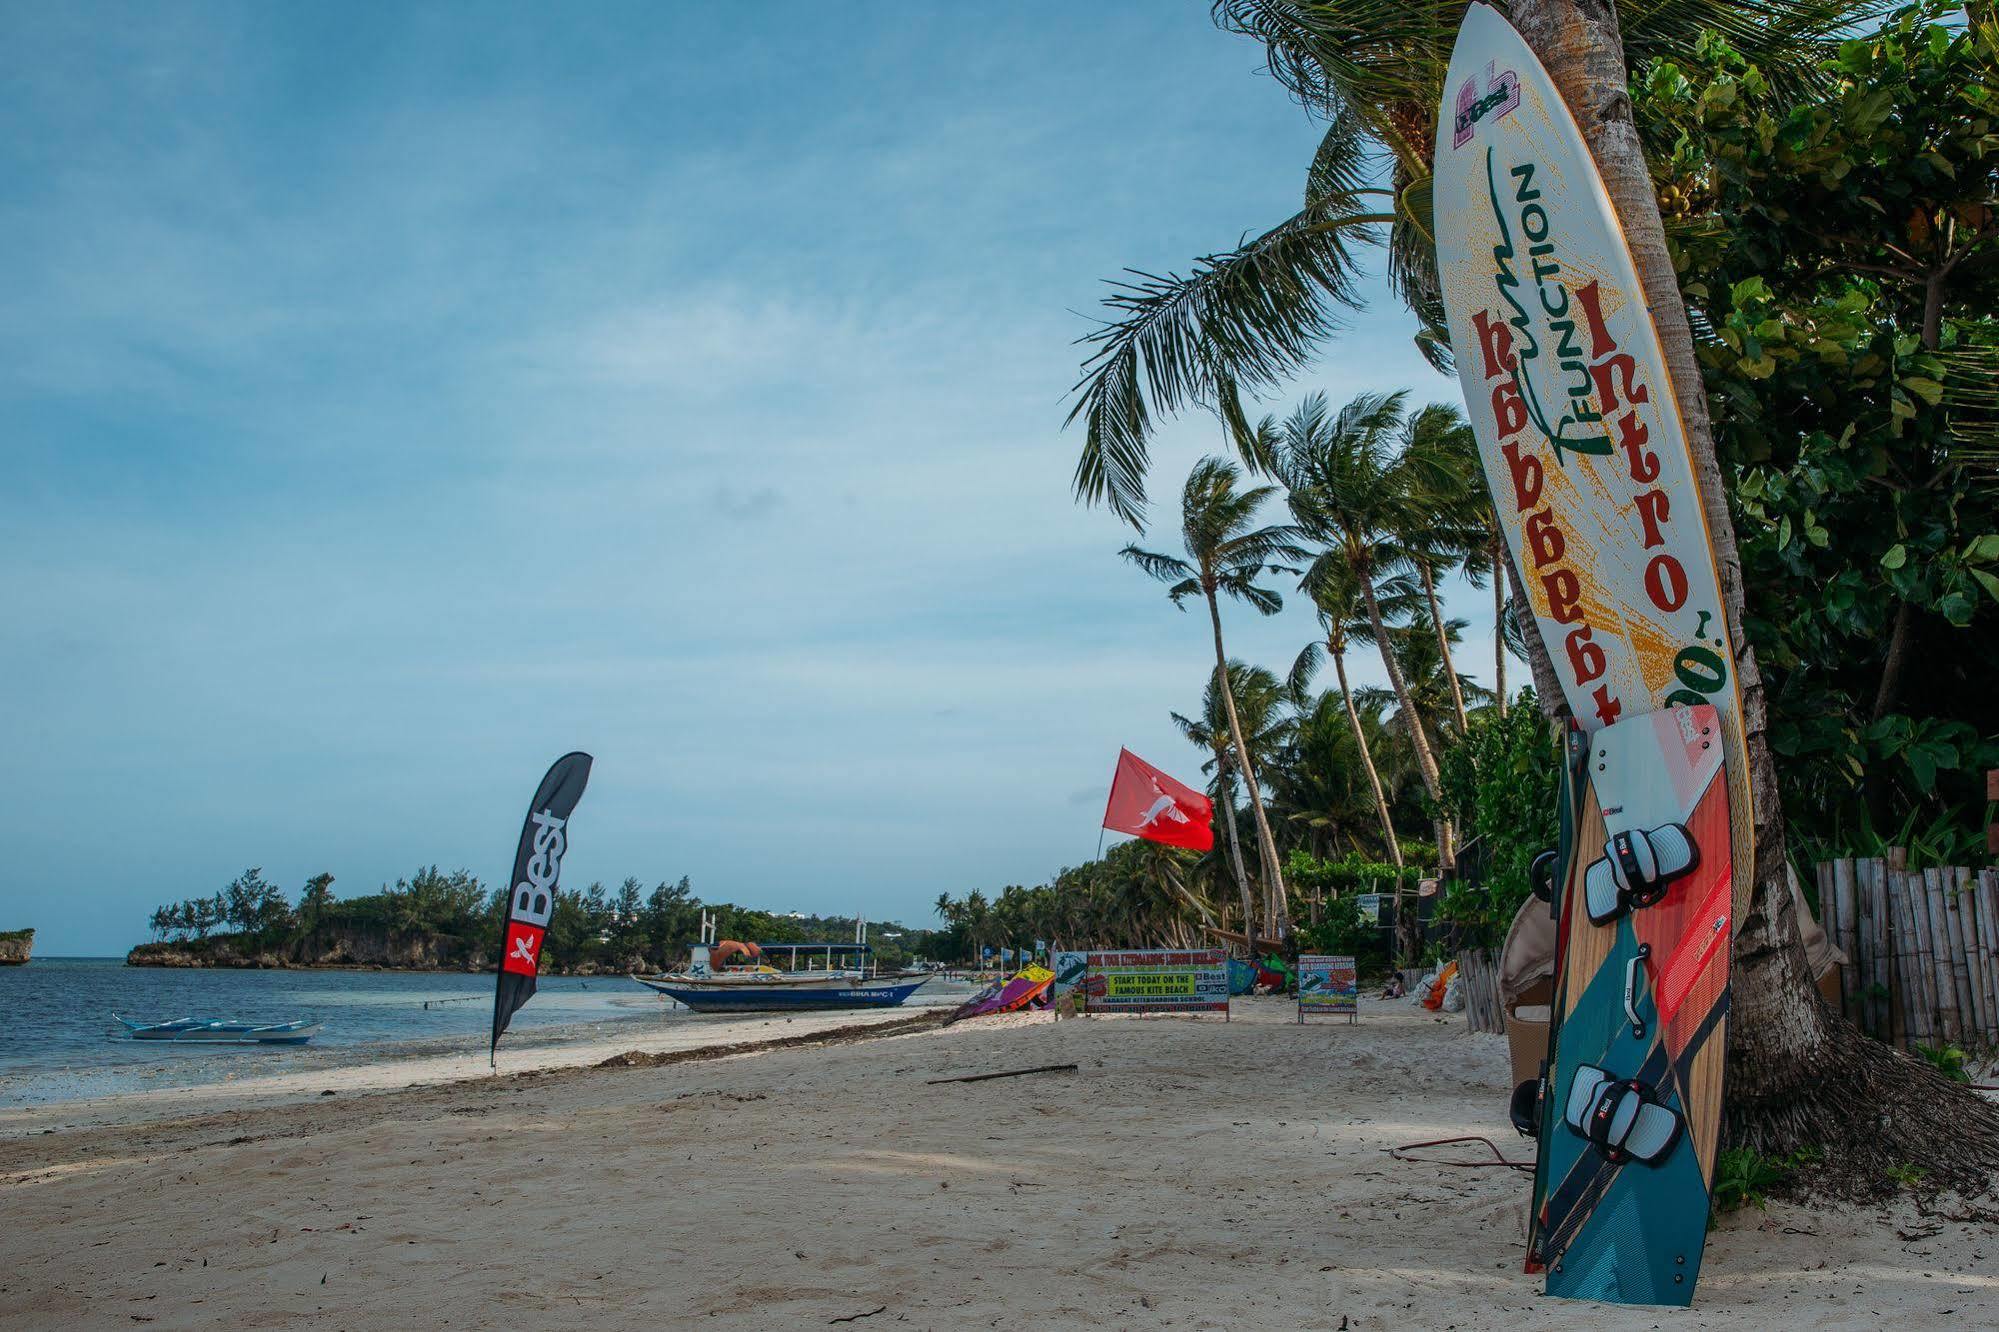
point(1190, 1174)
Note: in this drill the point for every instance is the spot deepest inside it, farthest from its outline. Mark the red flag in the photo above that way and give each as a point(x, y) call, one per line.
point(1147, 803)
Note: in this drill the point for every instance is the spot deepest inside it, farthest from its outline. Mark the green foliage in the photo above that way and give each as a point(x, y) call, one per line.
point(588, 929)
point(1343, 931)
point(1743, 1178)
point(1948, 1060)
point(1908, 1176)
point(1139, 895)
point(16, 936)
point(1502, 783)
point(1842, 254)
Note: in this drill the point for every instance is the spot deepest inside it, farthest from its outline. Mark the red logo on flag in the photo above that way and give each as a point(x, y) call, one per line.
point(1147, 803)
point(523, 948)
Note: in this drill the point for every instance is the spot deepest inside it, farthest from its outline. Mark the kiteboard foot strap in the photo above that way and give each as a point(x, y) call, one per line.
point(1621, 1117)
point(1637, 869)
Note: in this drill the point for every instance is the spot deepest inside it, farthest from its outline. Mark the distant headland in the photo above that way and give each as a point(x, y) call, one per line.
point(15, 945)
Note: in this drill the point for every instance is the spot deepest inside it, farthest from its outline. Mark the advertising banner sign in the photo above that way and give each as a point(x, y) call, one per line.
point(1328, 987)
point(1157, 980)
point(1068, 968)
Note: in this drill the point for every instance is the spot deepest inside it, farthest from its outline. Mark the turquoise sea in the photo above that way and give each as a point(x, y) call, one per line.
point(59, 1041)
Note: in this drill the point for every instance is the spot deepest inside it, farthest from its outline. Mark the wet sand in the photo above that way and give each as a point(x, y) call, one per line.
point(1189, 1173)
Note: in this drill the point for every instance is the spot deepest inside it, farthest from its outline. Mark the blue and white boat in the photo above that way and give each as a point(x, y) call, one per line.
point(714, 982)
point(217, 1031)
point(769, 992)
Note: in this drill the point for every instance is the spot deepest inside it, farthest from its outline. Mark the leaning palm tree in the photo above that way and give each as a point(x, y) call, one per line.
point(1211, 731)
point(1443, 463)
point(1266, 727)
point(1443, 527)
point(1339, 469)
point(1335, 591)
point(1226, 554)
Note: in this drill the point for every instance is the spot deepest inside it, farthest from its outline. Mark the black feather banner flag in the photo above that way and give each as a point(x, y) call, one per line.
point(537, 868)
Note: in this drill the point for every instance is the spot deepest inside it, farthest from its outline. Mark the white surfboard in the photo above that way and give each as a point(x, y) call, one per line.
point(1567, 389)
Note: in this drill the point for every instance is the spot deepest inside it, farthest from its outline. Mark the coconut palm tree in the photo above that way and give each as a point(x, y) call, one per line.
point(1226, 554)
point(1211, 732)
point(1266, 726)
point(1329, 784)
point(1251, 317)
point(1344, 491)
point(1444, 526)
point(1335, 591)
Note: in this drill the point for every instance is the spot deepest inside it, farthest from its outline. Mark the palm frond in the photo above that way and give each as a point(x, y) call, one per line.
point(1246, 318)
point(1165, 568)
point(1298, 682)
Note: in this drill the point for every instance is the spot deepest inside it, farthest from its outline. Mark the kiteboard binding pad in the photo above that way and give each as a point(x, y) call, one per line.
point(1630, 1109)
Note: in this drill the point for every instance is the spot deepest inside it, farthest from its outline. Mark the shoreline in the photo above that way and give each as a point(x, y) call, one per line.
point(682, 1040)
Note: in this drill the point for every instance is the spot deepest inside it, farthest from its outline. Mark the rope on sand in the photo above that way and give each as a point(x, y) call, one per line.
point(1402, 1153)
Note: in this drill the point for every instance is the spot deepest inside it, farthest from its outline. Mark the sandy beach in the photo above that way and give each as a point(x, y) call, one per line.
point(1188, 1173)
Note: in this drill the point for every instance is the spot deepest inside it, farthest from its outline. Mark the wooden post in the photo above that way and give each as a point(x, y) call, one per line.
point(1881, 1007)
point(1841, 920)
point(1969, 1003)
point(1918, 979)
point(1957, 879)
point(1988, 942)
point(1950, 1018)
point(1978, 939)
point(1992, 796)
point(1870, 961)
point(1921, 979)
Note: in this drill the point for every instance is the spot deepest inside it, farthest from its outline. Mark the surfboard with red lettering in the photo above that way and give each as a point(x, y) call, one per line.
point(1567, 389)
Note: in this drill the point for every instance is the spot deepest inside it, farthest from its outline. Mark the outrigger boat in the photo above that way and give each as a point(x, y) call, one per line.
point(726, 976)
point(216, 1031)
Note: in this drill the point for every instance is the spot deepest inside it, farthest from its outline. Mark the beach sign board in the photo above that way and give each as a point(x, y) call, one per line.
point(1370, 907)
point(1069, 968)
point(1567, 389)
point(1328, 986)
point(1157, 980)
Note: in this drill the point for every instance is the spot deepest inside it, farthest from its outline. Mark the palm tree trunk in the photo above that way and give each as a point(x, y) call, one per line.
point(1499, 621)
point(1267, 844)
point(1443, 644)
point(1799, 1077)
point(1425, 762)
point(1235, 844)
point(1366, 757)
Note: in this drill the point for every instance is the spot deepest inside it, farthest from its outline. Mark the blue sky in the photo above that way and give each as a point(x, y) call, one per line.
point(395, 397)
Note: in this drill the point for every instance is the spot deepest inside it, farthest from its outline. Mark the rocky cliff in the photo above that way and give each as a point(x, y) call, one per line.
point(15, 945)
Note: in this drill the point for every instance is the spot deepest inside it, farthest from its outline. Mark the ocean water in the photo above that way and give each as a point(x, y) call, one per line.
point(59, 1040)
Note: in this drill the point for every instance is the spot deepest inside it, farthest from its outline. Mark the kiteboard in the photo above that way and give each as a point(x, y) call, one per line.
point(1550, 871)
point(1567, 389)
point(1629, 1110)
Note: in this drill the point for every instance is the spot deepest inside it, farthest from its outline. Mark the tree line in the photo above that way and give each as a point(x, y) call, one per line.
point(630, 927)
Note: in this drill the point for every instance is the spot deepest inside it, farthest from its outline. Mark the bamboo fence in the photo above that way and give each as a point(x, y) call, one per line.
point(1478, 982)
point(1922, 949)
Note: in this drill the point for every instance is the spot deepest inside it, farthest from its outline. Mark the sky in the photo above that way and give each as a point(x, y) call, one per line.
point(395, 397)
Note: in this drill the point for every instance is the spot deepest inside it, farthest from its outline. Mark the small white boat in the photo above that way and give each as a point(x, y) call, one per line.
point(217, 1031)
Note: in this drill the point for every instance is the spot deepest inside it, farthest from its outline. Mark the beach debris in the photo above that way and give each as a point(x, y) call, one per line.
point(1008, 1073)
point(855, 1318)
point(1403, 1153)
